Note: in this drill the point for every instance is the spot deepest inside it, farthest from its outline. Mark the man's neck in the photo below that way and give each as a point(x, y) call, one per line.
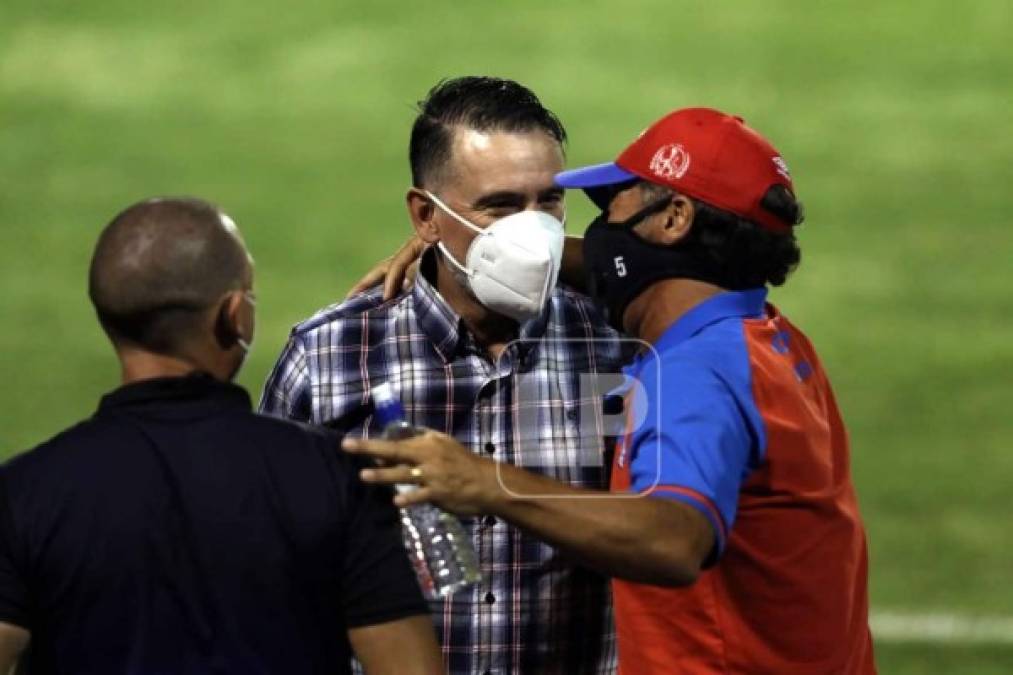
point(491, 331)
point(138, 364)
point(665, 302)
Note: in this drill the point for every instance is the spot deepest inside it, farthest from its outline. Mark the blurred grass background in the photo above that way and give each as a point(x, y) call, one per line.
point(895, 118)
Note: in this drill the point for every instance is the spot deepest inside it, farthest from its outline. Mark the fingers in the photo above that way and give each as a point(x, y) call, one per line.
point(394, 452)
point(398, 274)
point(393, 281)
point(390, 475)
point(412, 497)
point(372, 278)
point(410, 274)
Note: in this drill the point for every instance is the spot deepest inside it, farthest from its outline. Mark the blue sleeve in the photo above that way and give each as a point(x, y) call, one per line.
point(699, 439)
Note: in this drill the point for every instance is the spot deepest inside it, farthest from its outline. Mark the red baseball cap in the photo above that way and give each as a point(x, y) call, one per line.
point(702, 153)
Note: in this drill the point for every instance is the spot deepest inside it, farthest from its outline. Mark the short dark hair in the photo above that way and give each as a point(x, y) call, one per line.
point(746, 254)
point(479, 103)
point(158, 266)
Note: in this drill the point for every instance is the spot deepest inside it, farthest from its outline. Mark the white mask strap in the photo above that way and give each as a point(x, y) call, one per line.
point(453, 260)
point(243, 344)
point(453, 214)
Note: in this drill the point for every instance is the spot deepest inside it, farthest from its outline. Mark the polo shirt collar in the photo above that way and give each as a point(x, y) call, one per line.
point(444, 327)
point(197, 386)
point(747, 304)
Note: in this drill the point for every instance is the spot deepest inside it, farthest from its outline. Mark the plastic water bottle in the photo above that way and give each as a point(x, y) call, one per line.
point(440, 551)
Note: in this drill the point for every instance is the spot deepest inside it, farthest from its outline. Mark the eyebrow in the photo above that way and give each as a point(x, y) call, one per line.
point(509, 197)
point(498, 198)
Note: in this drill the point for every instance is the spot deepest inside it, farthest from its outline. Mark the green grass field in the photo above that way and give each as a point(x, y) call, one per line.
point(894, 116)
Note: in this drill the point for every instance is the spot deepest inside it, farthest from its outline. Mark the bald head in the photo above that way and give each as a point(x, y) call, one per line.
point(160, 265)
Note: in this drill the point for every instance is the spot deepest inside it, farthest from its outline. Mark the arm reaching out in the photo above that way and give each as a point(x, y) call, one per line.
point(13, 640)
point(395, 273)
point(571, 270)
point(398, 272)
point(402, 647)
point(645, 540)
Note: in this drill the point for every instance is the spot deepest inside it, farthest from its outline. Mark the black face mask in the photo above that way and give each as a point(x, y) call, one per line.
point(620, 265)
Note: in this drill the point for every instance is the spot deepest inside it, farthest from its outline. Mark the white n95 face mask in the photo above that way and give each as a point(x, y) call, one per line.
point(512, 265)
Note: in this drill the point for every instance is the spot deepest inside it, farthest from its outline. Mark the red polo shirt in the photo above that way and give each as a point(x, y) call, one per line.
point(740, 423)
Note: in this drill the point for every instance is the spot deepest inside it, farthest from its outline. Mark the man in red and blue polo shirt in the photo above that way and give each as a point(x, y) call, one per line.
point(732, 531)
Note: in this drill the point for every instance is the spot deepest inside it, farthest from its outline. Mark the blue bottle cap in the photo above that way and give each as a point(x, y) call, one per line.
point(387, 407)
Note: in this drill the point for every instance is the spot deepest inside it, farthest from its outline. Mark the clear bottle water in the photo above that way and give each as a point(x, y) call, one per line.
point(440, 551)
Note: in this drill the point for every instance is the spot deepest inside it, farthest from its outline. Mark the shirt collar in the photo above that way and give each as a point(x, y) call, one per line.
point(194, 387)
point(748, 304)
point(443, 326)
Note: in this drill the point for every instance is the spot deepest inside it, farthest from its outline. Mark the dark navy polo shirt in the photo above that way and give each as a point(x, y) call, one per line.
point(178, 532)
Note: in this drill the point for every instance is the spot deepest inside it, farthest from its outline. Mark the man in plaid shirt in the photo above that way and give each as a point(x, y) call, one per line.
point(486, 148)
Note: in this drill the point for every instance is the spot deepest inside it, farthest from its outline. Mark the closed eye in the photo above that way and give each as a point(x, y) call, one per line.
point(551, 197)
point(500, 204)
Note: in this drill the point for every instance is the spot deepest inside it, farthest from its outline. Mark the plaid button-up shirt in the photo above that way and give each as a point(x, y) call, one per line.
point(535, 611)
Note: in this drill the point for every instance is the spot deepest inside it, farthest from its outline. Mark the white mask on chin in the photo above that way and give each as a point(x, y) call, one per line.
point(512, 265)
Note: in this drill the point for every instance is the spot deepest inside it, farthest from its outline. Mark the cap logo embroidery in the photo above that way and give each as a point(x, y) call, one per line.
point(782, 167)
point(670, 162)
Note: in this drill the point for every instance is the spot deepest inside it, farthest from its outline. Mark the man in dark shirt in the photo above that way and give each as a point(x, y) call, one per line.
point(178, 532)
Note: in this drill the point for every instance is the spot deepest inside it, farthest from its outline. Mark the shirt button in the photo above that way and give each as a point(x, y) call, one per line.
point(490, 520)
point(490, 598)
point(490, 448)
point(571, 414)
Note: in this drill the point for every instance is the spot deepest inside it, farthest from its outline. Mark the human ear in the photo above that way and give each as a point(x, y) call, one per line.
point(676, 220)
point(229, 321)
point(422, 212)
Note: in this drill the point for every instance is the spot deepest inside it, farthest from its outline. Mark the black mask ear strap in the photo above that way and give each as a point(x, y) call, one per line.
point(649, 210)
